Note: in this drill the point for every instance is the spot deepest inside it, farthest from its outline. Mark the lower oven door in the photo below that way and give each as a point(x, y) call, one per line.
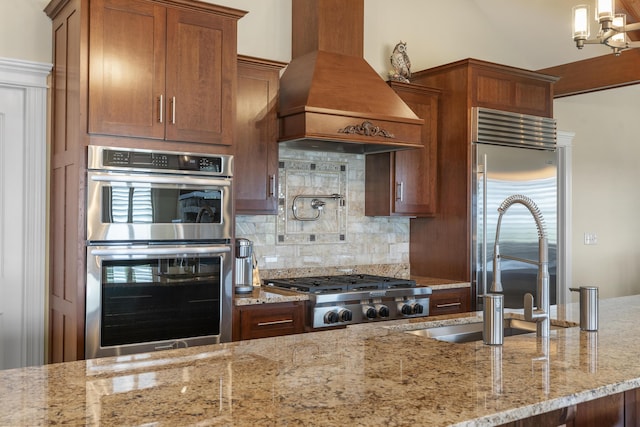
point(153, 297)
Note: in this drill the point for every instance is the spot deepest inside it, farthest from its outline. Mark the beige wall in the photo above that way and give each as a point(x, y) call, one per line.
point(265, 31)
point(604, 198)
point(25, 30)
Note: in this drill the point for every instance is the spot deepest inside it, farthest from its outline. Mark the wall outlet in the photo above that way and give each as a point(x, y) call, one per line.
point(590, 239)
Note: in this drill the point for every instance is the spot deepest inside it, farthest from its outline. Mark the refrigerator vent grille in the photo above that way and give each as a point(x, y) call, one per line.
point(513, 129)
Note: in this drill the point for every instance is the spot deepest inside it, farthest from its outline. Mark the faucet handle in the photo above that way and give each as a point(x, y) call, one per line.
point(530, 314)
point(528, 307)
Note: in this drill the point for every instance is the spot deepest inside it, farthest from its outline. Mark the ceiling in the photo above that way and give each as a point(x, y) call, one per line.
point(632, 9)
point(541, 31)
point(606, 71)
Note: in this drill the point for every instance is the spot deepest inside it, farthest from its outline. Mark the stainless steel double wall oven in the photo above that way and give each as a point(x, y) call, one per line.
point(159, 250)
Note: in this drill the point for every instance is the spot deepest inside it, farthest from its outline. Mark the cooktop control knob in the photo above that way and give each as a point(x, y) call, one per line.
point(369, 312)
point(406, 309)
point(383, 311)
point(331, 317)
point(418, 308)
point(345, 315)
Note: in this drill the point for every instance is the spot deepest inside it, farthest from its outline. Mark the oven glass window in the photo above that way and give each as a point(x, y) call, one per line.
point(160, 299)
point(157, 205)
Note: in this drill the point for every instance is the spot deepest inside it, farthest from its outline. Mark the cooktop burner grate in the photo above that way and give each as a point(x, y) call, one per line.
point(339, 284)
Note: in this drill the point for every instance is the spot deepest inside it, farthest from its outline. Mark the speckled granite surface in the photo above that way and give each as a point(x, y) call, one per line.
point(268, 295)
point(392, 270)
point(436, 283)
point(361, 375)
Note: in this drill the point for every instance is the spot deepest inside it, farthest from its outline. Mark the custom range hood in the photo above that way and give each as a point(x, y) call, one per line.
point(330, 98)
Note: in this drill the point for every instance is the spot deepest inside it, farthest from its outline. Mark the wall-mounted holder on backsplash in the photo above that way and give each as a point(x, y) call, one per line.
point(313, 178)
point(316, 204)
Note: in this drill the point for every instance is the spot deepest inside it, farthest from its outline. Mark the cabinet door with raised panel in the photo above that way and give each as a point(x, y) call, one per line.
point(201, 77)
point(415, 170)
point(404, 182)
point(256, 144)
point(126, 68)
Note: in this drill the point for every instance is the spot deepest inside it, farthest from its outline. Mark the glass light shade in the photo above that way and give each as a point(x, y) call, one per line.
point(619, 21)
point(581, 22)
point(604, 12)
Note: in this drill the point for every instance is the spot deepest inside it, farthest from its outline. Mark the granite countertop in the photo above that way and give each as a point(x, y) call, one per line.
point(360, 375)
point(436, 283)
point(268, 295)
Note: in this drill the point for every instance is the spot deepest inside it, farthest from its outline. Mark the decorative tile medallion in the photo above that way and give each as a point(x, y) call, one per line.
point(312, 205)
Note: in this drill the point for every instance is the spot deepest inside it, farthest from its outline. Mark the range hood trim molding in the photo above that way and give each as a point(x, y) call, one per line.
point(353, 114)
point(315, 127)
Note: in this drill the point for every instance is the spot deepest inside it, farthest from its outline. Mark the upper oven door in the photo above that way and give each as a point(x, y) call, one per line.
point(146, 206)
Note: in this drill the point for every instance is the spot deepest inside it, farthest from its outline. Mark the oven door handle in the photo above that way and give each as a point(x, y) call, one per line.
point(151, 179)
point(174, 251)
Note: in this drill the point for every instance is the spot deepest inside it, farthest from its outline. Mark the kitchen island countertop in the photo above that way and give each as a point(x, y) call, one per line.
point(361, 375)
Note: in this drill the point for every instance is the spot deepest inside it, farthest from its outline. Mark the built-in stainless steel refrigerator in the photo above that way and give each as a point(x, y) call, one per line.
point(513, 154)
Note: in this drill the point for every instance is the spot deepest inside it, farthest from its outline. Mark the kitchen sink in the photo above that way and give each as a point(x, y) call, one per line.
point(469, 332)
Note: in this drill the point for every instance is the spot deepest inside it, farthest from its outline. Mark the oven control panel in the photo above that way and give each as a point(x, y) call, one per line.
point(161, 161)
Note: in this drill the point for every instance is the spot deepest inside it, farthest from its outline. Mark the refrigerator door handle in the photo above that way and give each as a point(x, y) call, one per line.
point(482, 172)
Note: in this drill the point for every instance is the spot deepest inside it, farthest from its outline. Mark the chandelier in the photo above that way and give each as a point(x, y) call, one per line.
point(613, 27)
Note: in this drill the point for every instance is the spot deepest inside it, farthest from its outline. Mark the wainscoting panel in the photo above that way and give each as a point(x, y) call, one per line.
point(23, 195)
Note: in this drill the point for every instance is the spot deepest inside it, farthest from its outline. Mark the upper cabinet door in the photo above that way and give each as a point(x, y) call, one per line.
point(415, 186)
point(162, 71)
point(126, 68)
point(201, 77)
point(403, 182)
point(256, 144)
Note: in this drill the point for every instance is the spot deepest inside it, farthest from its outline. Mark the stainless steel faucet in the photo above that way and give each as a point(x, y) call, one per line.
point(541, 314)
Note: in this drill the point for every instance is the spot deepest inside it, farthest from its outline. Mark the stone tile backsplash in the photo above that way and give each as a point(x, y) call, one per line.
point(344, 238)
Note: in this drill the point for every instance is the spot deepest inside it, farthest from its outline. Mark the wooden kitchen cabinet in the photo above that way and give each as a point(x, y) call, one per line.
point(404, 182)
point(441, 246)
point(112, 61)
point(161, 72)
point(449, 301)
point(256, 136)
point(268, 320)
point(615, 410)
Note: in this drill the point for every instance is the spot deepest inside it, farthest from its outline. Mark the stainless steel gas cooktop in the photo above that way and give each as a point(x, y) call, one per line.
point(358, 298)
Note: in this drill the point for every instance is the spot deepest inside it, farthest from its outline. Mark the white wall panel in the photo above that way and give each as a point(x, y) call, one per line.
point(22, 212)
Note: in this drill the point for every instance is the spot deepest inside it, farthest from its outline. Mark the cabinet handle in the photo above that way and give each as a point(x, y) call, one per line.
point(165, 347)
point(173, 110)
point(160, 109)
point(450, 304)
point(275, 322)
point(272, 185)
point(400, 191)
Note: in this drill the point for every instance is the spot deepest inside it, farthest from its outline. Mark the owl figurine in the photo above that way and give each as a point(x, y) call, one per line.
point(401, 64)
